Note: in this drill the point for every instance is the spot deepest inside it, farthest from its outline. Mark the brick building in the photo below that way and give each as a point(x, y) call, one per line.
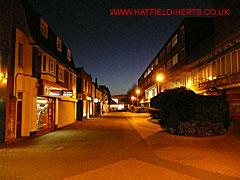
point(37, 74)
point(119, 102)
point(106, 96)
point(175, 54)
point(211, 67)
point(85, 98)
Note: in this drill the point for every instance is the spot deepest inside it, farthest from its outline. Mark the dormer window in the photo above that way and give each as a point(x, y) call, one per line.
point(59, 44)
point(69, 54)
point(43, 28)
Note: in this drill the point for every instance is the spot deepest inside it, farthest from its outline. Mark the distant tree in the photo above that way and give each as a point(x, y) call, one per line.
point(131, 92)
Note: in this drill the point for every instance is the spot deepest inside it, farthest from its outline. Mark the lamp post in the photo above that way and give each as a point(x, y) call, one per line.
point(159, 79)
point(132, 99)
point(137, 91)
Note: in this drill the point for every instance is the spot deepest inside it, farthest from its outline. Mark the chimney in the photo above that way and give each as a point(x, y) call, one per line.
point(96, 81)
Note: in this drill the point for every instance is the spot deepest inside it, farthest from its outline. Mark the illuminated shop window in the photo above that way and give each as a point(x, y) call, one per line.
point(45, 113)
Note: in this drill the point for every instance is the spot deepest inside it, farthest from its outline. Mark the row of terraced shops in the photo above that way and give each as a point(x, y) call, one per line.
point(40, 87)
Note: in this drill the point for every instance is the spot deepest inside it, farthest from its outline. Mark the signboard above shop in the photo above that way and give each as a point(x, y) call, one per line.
point(60, 92)
point(67, 93)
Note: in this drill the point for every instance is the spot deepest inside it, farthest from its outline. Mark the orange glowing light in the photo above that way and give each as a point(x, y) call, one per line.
point(159, 78)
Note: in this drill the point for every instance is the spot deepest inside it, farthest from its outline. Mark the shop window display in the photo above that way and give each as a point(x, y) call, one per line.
point(45, 113)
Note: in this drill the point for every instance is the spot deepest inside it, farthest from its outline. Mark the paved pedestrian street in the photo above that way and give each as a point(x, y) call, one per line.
point(119, 146)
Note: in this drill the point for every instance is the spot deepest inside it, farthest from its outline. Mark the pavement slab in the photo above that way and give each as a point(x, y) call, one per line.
point(120, 145)
point(130, 169)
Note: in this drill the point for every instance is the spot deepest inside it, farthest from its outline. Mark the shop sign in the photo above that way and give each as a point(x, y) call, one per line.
point(67, 93)
point(60, 92)
point(55, 92)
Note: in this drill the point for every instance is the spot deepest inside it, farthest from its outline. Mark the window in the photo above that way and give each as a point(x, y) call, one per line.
point(146, 94)
point(74, 80)
point(51, 66)
point(69, 54)
point(90, 89)
point(176, 84)
point(181, 32)
point(61, 75)
point(214, 70)
point(54, 67)
point(174, 40)
point(163, 52)
point(43, 28)
point(234, 62)
point(59, 44)
point(169, 64)
point(175, 59)
point(210, 72)
point(228, 64)
point(182, 53)
point(206, 73)
point(83, 84)
point(238, 60)
point(160, 56)
point(202, 74)
point(44, 63)
point(70, 78)
point(20, 54)
point(195, 77)
point(156, 61)
point(188, 80)
point(87, 87)
point(145, 74)
point(149, 81)
point(162, 69)
point(168, 47)
point(218, 68)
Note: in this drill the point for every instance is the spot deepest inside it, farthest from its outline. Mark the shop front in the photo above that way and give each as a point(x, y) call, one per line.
point(45, 114)
point(56, 107)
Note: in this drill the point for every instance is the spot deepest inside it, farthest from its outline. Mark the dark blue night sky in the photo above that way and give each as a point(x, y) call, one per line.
point(115, 49)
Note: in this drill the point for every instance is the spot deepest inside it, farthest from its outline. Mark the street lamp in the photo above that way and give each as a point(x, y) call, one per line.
point(133, 98)
point(137, 91)
point(159, 79)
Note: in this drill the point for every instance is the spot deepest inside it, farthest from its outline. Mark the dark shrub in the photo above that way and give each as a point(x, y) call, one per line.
point(155, 113)
point(197, 128)
point(179, 106)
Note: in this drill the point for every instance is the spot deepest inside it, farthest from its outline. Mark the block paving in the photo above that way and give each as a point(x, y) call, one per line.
point(120, 145)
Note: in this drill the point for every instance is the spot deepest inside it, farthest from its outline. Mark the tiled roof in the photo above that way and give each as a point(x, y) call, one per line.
point(49, 44)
